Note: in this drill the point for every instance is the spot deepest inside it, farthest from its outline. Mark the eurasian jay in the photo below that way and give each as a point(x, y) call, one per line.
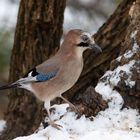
point(59, 73)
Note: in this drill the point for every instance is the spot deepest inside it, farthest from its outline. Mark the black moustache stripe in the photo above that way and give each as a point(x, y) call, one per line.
point(83, 44)
point(34, 73)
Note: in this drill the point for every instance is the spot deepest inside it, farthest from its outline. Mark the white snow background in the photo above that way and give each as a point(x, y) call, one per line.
point(8, 14)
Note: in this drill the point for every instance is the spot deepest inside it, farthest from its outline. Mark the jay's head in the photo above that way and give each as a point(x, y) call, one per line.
point(82, 40)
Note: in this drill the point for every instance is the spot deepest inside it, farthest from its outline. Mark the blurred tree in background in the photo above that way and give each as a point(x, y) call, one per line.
point(8, 14)
point(6, 40)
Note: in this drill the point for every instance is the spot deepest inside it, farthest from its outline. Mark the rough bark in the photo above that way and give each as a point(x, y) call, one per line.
point(90, 103)
point(131, 95)
point(37, 36)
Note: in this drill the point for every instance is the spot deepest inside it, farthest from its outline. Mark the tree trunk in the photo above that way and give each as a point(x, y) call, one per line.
point(37, 36)
point(115, 39)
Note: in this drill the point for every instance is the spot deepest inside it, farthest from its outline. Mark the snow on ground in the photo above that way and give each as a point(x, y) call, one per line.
point(122, 119)
point(106, 126)
point(114, 123)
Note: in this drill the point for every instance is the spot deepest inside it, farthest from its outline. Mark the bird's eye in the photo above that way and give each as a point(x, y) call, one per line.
point(85, 38)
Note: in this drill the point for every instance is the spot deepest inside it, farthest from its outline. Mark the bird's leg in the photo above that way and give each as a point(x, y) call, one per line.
point(51, 122)
point(72, 106)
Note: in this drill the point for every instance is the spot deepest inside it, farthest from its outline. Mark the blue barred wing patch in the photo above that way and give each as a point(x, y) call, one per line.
point(45, 77)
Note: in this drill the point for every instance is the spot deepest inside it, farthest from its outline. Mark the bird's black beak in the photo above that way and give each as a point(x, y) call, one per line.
point(95, 48)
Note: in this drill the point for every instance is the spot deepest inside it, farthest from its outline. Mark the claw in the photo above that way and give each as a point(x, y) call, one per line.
point(55, 125)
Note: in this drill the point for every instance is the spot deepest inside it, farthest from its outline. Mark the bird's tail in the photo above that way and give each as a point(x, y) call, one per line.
point(13, 85)
point(19, 83)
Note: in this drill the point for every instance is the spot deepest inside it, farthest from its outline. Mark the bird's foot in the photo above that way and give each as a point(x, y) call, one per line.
point(55, 125)
point(74, 109)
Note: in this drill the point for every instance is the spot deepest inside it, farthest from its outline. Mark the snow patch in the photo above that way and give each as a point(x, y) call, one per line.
point(109, 124)
point(134, 49)
point(118, 118)
point(133, 34)
point(113, 77)
point(2, 125)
